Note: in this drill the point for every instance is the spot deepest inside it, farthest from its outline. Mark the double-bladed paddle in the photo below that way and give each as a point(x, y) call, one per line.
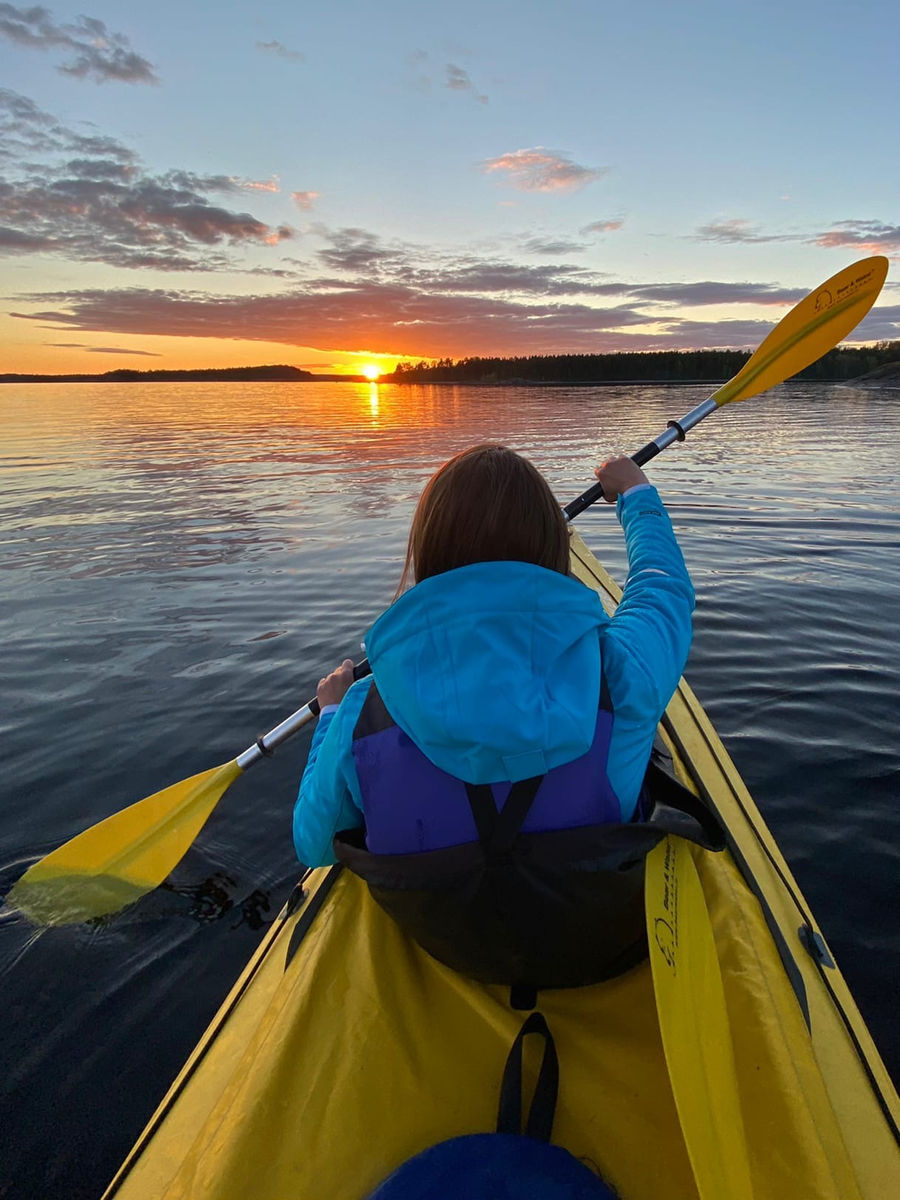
point(116, 861)
point(694, 1024)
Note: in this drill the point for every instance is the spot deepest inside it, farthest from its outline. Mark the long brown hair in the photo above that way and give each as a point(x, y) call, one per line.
point(487, 504)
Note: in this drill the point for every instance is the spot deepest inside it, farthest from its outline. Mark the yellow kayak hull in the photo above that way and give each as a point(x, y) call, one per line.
point(344, 1049)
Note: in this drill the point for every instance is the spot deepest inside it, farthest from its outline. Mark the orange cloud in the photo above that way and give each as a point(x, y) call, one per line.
point(258, 185)
point(541, 170)
point(305, 200)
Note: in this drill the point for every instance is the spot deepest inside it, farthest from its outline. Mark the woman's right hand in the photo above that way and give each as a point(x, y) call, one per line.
point(334, 687)
point(617, 475)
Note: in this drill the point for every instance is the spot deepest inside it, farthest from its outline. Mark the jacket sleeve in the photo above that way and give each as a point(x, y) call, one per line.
point(650, 633)
point(329, 798)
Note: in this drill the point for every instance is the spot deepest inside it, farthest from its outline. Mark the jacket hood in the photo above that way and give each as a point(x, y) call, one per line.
point(493, 669)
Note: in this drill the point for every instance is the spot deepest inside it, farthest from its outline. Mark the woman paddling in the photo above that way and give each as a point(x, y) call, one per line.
point(476, 778)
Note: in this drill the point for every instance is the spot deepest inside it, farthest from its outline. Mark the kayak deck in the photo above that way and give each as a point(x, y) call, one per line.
point(344, 1049)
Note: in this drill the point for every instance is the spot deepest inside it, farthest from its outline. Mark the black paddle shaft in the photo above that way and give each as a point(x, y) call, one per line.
point(594, 493)
point(675, 431)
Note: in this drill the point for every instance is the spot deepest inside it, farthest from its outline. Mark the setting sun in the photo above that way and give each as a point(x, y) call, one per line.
point(371, 372)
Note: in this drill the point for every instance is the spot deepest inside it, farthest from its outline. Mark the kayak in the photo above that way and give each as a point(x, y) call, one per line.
point(344, 1050)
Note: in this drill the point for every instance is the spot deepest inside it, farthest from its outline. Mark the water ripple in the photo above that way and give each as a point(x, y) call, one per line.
point(181, 563)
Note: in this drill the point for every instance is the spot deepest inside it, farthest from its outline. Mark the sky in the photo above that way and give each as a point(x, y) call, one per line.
point(201, 184)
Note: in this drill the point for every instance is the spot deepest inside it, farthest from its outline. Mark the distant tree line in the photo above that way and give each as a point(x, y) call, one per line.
point(278, 373)
point(661, 366)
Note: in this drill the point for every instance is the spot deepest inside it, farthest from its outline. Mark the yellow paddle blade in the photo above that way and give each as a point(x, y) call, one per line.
point(809, 330)
point(118, 860)
point(693, 1020)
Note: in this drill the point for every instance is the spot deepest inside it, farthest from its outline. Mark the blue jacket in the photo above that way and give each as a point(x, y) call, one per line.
point(493, 670)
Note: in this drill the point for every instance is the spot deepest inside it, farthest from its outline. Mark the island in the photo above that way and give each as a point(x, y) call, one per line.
point(278, 373)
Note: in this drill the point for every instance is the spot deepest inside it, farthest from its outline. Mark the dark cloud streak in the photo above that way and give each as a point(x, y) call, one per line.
point(737, 231)
point(710, 292)
point(281, 51)
point(354, 250)
point(458, 81)
point(102, 349)
point(98, 53)
point(539, 245)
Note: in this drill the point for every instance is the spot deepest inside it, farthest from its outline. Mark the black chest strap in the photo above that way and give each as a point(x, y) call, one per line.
point(498, 830)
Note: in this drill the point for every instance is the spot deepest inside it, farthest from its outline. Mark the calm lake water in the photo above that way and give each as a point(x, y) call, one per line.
point(182, 562)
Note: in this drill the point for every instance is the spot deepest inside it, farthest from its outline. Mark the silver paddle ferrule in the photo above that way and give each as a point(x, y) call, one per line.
point(264, 745)
point(675, 432)
point(696, 415)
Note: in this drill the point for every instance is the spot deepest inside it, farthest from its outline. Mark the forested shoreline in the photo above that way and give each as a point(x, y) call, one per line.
point(663, 366)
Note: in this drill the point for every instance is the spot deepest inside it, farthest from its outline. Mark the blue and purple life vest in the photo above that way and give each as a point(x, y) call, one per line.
point(533, 884)
point(412, 806)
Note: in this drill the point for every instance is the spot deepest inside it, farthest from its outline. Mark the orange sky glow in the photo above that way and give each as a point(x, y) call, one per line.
point(175, 213)
point(34, 351)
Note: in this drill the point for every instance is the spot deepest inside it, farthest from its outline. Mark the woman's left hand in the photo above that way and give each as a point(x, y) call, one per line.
point(334, 687)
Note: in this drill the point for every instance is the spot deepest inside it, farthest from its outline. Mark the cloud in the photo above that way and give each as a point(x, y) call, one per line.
point(458, 81)
point(460, 308)
point(479, 276)
point(540, 170)
point(27, 130)
point(97, 52)
point(712, 335)
point(737, 231)
point(874, 236)
point(399, 319)
point(710, 292)
point(15, 241)
point(540, 245)
point(601, 227)
point(354, 249)
point(882, 324)
point(257, 185)
point(102, 349)
point(90, 199)
point(281, 51)
point(416, 300)
point(122, 350)
point(305, 200)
